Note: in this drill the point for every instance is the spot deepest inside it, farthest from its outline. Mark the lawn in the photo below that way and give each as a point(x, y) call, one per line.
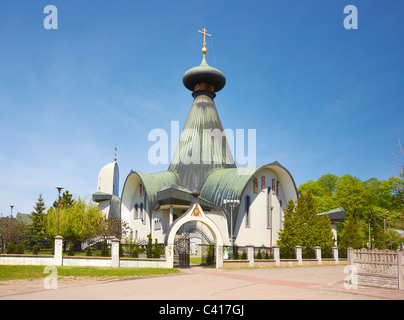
point(37, 272)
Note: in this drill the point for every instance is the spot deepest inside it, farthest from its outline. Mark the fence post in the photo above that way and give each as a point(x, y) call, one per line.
point(298, 252)
point(115, 263)
point(350, 256)
point(400, 269)
point(169, 256)
point(335, 254)
point(58, 256)
point(219, 257)
point(250, 255)
point(317, 250)
point(276, 255)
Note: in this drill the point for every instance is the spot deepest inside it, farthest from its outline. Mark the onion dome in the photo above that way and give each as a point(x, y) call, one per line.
point(204, 77)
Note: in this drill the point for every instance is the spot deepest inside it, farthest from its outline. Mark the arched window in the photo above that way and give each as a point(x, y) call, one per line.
point(255, 185)
point(262, 183)
point(247, 211)
point(273, 186)
point(277, 188)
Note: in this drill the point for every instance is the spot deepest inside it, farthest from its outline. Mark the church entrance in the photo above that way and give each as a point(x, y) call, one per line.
point(194, 237)
point(194, 245)
point(182, 252)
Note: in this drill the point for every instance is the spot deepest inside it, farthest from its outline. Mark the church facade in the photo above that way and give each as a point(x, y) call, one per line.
point(151, 202)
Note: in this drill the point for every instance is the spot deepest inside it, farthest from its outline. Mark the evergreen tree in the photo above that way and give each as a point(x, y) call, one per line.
point(350, 237)
point(289, 236)
point(66, 200)
point(302, 227)
point(37, 227)
point(324, 235)
point(149, 247)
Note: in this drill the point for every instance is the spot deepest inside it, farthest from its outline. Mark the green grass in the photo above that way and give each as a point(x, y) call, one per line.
point(37, 272)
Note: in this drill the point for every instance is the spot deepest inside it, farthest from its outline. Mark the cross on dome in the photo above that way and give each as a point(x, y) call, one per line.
point(204, 50)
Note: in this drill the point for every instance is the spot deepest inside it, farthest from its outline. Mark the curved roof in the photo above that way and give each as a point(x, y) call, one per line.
point(154, 182)
point(108, 179)
point(204, 73)
point(204, 138)
point(230, 183)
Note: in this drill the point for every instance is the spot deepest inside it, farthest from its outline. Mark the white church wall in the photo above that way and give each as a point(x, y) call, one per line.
point(220, 220)
point(104, 207)
point(159, 223)
point(134, 209)
point(264, 224)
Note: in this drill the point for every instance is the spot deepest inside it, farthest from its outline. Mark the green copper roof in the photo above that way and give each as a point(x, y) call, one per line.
point(336, 215)
point(229, 184)
point(154, 182)
point(198, 151)
point(174, 194)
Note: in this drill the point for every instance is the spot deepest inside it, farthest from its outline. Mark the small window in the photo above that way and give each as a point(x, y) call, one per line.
point(136, 213)
point(277, 188)
point(255, 185)
point(141, 211)
point(247, 211)
point(269, 210)
point(157, 224)
point(262, 183)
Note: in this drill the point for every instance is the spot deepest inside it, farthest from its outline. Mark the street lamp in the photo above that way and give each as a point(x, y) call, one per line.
point(59, 189)
point(11, 220)
point(232, 204)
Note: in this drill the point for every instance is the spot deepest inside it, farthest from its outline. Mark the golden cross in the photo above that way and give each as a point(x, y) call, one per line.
point(115, 153)
point(204, 36)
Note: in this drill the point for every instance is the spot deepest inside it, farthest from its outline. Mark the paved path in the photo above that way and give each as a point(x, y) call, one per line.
point(325, 282)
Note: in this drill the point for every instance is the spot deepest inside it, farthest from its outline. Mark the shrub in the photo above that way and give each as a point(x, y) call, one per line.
point(20, 248)
point(104, 249)
point(70, 253)
point(35, 249)
point(89, 252)
point(11, 248)
point(236, 256)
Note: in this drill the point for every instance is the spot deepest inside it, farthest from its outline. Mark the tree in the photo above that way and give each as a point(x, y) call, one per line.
point(350, 195)
point(289, 236)
point(350, 236)
point(302, 227)
point(11, 229)
point(76, 221)
point(66, 200)
point(37, 227)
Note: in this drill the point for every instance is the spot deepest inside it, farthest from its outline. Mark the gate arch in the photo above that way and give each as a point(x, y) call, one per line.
point(194, 213)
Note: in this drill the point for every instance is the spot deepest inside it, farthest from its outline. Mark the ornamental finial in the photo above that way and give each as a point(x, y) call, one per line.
point(204, 50)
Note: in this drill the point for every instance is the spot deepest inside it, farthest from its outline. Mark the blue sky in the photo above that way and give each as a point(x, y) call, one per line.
point(323, 99)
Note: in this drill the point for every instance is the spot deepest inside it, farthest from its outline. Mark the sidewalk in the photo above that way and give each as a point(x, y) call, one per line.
point(308, 283)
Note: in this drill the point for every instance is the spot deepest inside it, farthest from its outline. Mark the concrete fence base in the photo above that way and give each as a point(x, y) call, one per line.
point(59, 260)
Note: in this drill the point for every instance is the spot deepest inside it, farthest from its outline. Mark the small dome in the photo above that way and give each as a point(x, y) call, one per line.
point(204, 73)
point(108, 179)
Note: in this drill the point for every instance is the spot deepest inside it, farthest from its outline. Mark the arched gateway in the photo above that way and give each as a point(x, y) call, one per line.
point(194, 213)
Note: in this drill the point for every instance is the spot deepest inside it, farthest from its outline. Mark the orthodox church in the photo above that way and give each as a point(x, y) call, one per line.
point(151, 202)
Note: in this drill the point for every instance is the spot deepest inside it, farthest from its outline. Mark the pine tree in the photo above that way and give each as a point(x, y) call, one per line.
point(324, 235)
point(66, 200)
point(350, 236)
point(302, 227)
point(289, 236)
point(37, 228)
